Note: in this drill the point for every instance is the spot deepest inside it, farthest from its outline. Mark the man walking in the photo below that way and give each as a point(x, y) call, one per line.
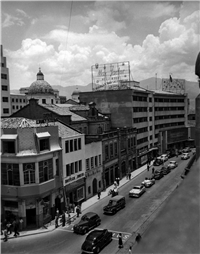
point(15, 228)
point(77, 211)
point(99, 194)
point(120, 242)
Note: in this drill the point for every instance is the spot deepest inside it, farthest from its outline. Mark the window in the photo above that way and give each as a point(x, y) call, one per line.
point(150, 128)
point(72, 168)
point(87, 164)
point(44, 144)
point(79, 144)
point(5, 99)
point(43, 101)
point(3, 76)
point(16, 100)
point(45, 170)
point(20, 100)
point(10, 174)
point(96, 161)
point(92, 162)
point(106, 152)
point(150, 99)
point(20, 106)
point(9, 146)
point(4, 88)
point(24, 100)
point(29, 173)
point(76, 167)
point(100, 159)
point(150, 118)
point(13, 107)
point(66, 146)
point(13, 100)
point(6, 110)
point(111, 150)
point(68, 171)
point(71, 146)
point(115, 148)
point(75, 144)
point(17, 107)
point(80, 165)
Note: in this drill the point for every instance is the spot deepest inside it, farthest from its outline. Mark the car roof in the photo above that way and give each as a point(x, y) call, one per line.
point(117, 197)
point(164, 154)
point(89, 215)
point(95, 233)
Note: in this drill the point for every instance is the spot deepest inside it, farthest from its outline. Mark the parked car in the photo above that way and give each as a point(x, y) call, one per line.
point(186, 149)
point(185, 156)
point(172, 164)
point(163, 157)
point(115, 204)
point(88, 221)
point(148, 182)
point(165, 170)
point(158, 174)
point(96, 241)
point(158, 162)
point(137, 191)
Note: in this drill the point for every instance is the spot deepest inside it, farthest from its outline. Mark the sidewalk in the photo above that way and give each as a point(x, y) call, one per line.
point(85, 205)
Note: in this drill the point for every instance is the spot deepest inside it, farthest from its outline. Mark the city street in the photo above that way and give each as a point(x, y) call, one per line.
point(137, 213)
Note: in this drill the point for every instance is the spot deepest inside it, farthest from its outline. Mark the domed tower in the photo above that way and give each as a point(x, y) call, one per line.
point(75, 95)
point(41, 90)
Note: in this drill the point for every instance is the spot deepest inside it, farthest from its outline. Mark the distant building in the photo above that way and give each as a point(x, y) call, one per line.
point(75, 95)
point(18, 101)
point(5, 88)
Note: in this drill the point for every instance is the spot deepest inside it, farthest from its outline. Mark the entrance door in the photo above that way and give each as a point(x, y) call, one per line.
point(31, 217)
point(94, 186)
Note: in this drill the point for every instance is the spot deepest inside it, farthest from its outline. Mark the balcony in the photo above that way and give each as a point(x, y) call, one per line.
point(27, 190)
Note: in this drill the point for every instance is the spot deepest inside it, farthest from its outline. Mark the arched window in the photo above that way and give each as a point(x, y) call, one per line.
point(29, 173)
point(10, 174)
point(45, 170)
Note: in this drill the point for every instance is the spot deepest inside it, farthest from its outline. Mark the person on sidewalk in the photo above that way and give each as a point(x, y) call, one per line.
point(117, 180)
point(138, 237)
point(15, 228)
point(99, 194)
point(130, 250)
point(9, 227)
point(77, 211)
point(63, 219)
point(20, 224)
point(127, 175)
point(5, 234)
point(69, 219)
point(56, 221)
point(120, 242)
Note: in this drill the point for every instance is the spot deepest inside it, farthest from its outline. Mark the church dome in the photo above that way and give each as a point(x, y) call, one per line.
point(40, 85)
point(76, 92)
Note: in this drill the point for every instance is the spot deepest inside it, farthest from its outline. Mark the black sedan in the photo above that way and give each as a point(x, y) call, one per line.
point(96, 241)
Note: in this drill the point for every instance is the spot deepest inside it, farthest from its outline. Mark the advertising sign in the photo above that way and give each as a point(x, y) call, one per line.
point(177, 135)
point(173, 85)
point(110, 76)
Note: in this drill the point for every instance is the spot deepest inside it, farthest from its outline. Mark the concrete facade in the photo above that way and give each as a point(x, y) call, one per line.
point(5, 87)
point(18, 101)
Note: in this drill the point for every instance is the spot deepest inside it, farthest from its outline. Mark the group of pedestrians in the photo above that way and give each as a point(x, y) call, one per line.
point(7, 227)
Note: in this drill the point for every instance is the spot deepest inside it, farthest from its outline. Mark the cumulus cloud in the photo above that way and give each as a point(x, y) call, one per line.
point(11, 20)
point(66, 57)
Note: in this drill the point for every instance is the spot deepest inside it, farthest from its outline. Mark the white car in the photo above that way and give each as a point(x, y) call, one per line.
point(185, 156)
point(148, 182)
point(163, 157)
point(137, 191)
point(172, 164)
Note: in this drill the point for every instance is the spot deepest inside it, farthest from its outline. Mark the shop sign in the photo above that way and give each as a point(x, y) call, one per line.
point(177, 135)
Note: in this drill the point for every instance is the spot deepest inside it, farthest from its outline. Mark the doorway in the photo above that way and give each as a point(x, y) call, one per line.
point(94, 186)
point(31, 217)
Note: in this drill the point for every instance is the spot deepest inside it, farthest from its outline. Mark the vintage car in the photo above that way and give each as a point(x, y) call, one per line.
point(158, 174)
point(185, 156)
point(115, 204)
point(96, 241)
point(172, 164)
point(148, 182)
point(88, 221)
point(137, 191)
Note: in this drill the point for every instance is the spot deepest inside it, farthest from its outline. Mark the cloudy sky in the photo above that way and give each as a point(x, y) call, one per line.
point(66, 38)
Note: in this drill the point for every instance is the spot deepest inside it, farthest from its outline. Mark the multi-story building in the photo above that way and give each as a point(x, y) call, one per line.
point(30, 162)
point(18, 101)
point(5, 87)
point(152, 113)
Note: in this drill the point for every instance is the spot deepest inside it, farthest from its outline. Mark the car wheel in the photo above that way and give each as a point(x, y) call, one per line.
point(97, 250)
point(85, 231)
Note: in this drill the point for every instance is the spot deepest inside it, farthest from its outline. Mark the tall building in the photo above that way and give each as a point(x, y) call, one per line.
point(5, 88)
point(160, 117)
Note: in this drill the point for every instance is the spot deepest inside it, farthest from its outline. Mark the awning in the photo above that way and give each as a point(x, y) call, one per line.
point(43, 135)
point(9, 136)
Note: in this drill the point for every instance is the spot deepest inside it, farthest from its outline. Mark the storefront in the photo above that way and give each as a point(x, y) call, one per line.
point(75, 192)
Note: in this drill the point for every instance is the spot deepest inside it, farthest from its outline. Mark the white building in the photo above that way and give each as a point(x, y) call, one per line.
point(5, 87)
point(18, 101)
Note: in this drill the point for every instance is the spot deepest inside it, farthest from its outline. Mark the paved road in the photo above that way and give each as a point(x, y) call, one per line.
point(128, 220)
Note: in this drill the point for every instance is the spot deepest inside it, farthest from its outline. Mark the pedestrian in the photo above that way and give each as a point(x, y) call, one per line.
point(120, 242)
point(138, 237)
point(9, 227)
point(69, 219)
point(56, 221)
point(63, 219)
point(73, 207)
point(15, 228)
point(20, 223)
point(77, 211)
point(129, 175)
point(130, 250)
point(5, 234)
point(118, 180)
point(153, 169)
point(99, 194)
